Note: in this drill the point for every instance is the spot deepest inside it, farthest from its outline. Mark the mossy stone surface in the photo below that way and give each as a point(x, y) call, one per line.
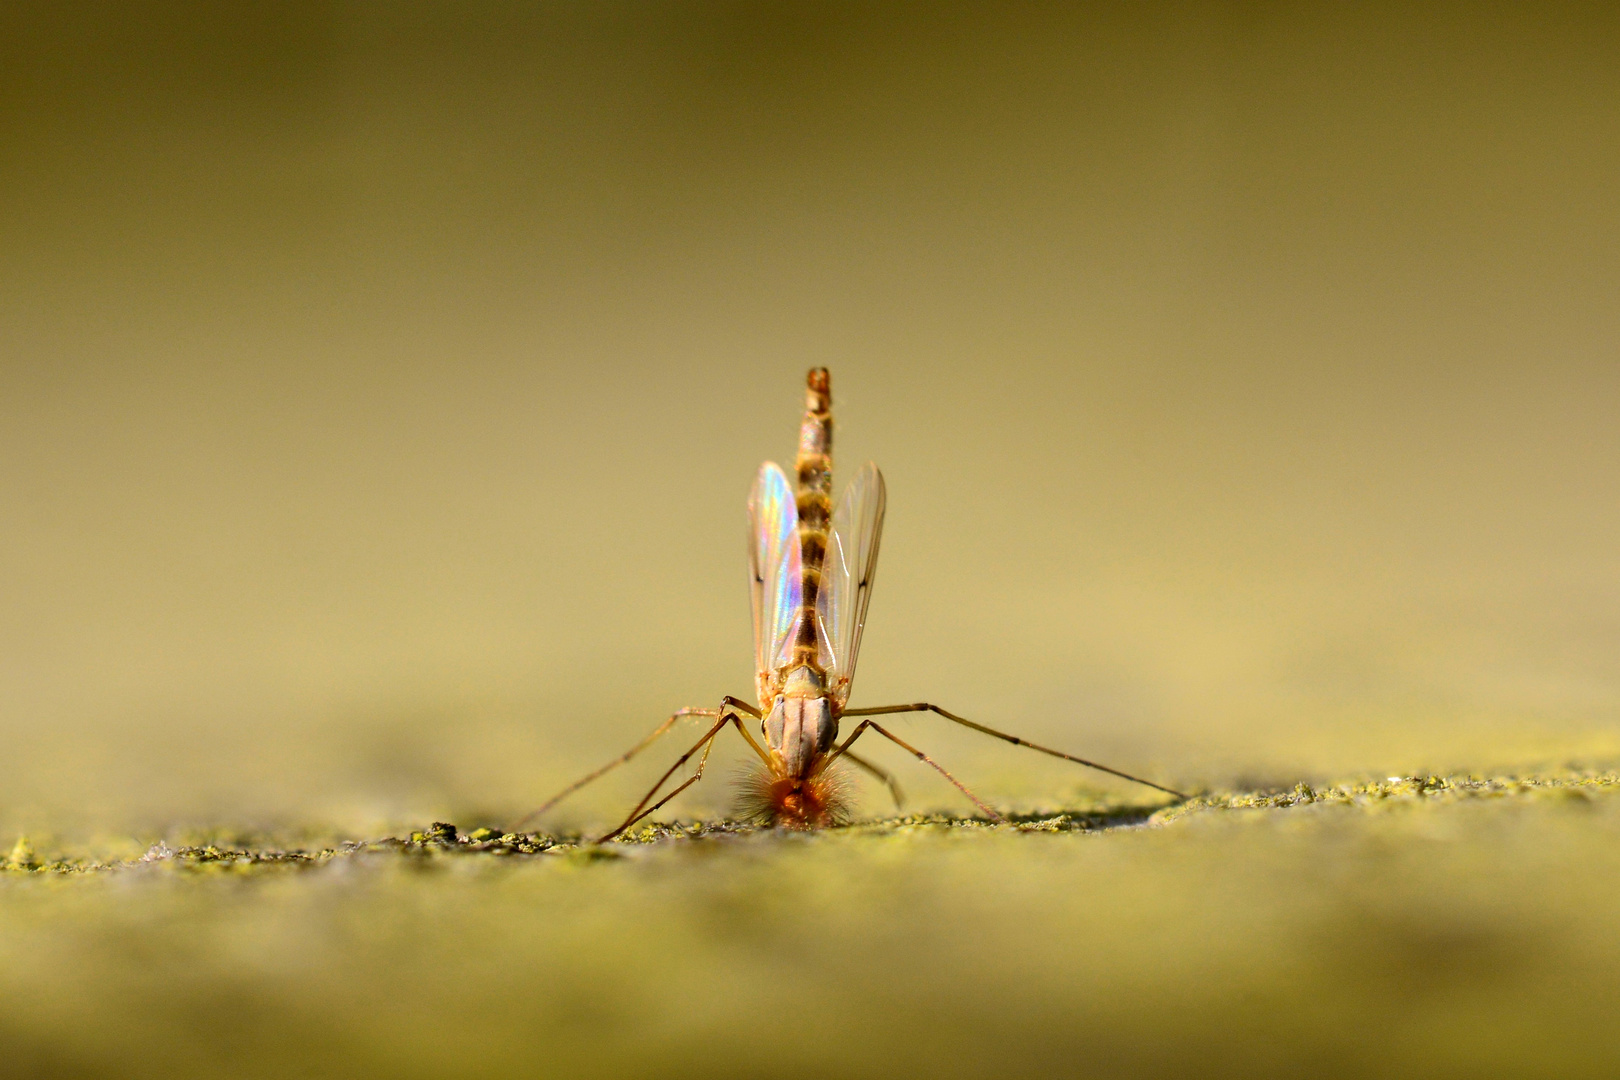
point(1435, 926)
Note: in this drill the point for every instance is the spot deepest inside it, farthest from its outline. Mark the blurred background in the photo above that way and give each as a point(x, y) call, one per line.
point(380, 388)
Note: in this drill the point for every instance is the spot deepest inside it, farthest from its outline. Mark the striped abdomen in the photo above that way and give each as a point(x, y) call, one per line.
point(814, 467)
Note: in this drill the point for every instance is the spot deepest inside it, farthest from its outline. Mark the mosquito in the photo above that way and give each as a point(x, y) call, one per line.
point(811, 571)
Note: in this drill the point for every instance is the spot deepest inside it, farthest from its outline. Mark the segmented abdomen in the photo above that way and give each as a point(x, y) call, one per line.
point(814, 497)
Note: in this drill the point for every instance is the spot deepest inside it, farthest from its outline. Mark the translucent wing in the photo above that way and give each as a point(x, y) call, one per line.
point(773, 560)
point(846, 576)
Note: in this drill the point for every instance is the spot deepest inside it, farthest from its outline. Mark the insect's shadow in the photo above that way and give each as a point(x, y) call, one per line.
point(1095, 819)
point(1087, 820)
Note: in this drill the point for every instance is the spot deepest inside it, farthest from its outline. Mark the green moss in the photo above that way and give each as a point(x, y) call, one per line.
point(442, 839)
point(22, 856)
point(1458, 924)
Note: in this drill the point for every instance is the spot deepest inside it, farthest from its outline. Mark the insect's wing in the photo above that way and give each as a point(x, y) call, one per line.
point(846, 576)
point(773, 562)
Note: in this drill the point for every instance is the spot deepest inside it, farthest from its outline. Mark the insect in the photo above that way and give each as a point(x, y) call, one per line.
point(811, 571)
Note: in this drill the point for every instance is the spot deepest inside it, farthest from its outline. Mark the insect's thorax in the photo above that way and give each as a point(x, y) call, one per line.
point(801, 725)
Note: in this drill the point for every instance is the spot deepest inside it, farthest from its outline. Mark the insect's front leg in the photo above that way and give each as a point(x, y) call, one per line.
point(660, 730)
point(729, 702)
point(728, 715)
point(641, 809)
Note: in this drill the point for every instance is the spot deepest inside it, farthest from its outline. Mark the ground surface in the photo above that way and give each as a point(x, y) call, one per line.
point(1421, 926)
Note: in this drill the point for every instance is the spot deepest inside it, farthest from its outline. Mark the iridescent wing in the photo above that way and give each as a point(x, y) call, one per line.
point(846, 576)
point(773, 560)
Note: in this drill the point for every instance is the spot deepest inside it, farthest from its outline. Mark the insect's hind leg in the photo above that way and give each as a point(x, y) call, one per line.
point(659, 731)
point(844, 751)
point(923, 706)
point(883, 775)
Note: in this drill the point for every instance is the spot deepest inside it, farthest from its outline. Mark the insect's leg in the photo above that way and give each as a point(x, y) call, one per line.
point(844, 748)
point(923, 706)
point(734, 706)
point(887, 777)
point(753, 742)
point(844, 751)
point(826, 762)
point(937, 767)
point(615, 763)
point(690, 780)
point(706, 744)
point(636, 815)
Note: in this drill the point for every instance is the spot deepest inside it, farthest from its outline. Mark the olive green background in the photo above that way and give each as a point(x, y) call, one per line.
point(380, 387)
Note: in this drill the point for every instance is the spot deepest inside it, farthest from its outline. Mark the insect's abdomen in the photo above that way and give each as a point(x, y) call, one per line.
point(814, 466)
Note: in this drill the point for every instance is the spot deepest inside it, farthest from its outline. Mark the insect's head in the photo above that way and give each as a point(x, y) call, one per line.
point(797, 789)
point(809, 803)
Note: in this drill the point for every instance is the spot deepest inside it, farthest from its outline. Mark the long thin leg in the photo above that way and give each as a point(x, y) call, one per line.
point(636, 814)
point(706, 744)
point(690, 780)
point(729, 702)
point(923, 706)
point(615, 763)
point(919, 755)
point(884, 775)
point(726, 714)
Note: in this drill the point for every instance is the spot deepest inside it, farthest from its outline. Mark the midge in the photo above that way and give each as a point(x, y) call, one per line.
point(811, 570)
